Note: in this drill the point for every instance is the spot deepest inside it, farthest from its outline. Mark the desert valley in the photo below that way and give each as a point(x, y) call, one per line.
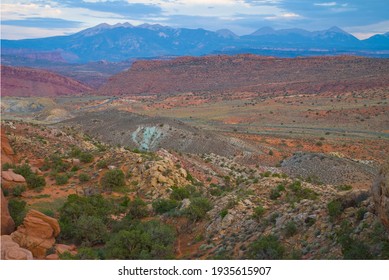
point(211, 154)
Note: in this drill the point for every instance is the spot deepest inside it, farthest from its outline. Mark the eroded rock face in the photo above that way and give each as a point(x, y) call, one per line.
point(10, 250)
point(11, 176)
point(37, 233)
point(380, 192)
point(7, 153)
point(7, 223)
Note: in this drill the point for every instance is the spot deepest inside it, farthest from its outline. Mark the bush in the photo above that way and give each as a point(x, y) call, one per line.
point(223, 213)
point(198, 208)
point(151, 240)
point(113, 179)
point(24, 170)
point(86, 157)
point(161, 206)
point(17, 210)
point(102, 164)
point(266, 248)
point(274, 194)
point(290, 229)
point(77, 206)
point(298, 193)
point(35, 181)
point(137, 208)
point(91, 230)
point(7, 166)
point(180, 193)
point(334, 208)
point(258, 212)
point(83, 177)
point(61, 179)
point(18, 190)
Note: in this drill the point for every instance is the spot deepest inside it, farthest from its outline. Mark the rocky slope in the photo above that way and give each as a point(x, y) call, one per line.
point(221, 209)
point(19, 81)
point(249, 73)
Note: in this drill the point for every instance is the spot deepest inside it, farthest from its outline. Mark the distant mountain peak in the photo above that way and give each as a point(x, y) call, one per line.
point(266, 30)
point(226, 33)
point(336, 29)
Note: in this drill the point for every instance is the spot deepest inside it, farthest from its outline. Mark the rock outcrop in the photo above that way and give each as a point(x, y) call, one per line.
point(380, 192)
point(37, 233)
point(10, 250)
point(11, 176)
point(7, 153)
point(7, 223)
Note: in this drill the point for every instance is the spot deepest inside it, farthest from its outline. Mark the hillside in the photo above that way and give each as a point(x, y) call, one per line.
point(250, 73)
point(175, 205)
point(28, 82)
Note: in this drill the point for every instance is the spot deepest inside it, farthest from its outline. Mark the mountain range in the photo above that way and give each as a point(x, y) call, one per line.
point(123, 41)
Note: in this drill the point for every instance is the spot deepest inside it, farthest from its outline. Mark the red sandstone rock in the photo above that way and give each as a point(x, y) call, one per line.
point(37, 233)
point(11, 176)
point(7, 223)
point(10, 250)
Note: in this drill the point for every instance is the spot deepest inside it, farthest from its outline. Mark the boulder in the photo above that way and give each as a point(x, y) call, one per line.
point(7, 223)
point(37, 233)
point(10, 250)
point(380, 192)
point(11, 176)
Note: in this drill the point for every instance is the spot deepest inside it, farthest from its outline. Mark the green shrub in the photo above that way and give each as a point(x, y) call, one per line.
point(83, 177)
point(258, 212)
point(7, 166)
point(161, 206)
point(18, 190)
point(298, 193)
point(274, 194)
point(86, 157)
point(91, 230)
point(180, 193)
point(77, 206)
point(334, 208)
point(290, 229)
point(35, 181)
point(102, 164)
point(198, 208)
point(150, 240)
point(17, 210)
point(57, 164)
point(271, 153)
point(137, 208)
point(24, 170)
point(223, 213)
point(61, 179)
point(266, 248)
point(361, 213)
point(113, 179)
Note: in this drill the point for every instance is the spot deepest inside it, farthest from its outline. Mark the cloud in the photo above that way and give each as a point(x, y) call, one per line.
point(327, 4)
point(119, 7)
point(49, 23)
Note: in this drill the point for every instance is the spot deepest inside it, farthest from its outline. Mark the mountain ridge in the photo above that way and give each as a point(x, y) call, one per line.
point(123, 41)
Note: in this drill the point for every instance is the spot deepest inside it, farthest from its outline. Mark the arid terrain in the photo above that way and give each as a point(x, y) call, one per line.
point(240, 157)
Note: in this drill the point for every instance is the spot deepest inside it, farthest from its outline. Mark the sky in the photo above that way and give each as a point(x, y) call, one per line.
point(43, 18)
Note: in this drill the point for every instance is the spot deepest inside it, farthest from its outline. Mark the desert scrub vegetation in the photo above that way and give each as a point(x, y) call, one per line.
point(33, 180)
point(61, 179)
point(161, 206)
point(113, 179)
point(266, 247)
point(298, 192)
point(84, 177)
point(198, 208)
point(89, 223)
point(17, 210)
